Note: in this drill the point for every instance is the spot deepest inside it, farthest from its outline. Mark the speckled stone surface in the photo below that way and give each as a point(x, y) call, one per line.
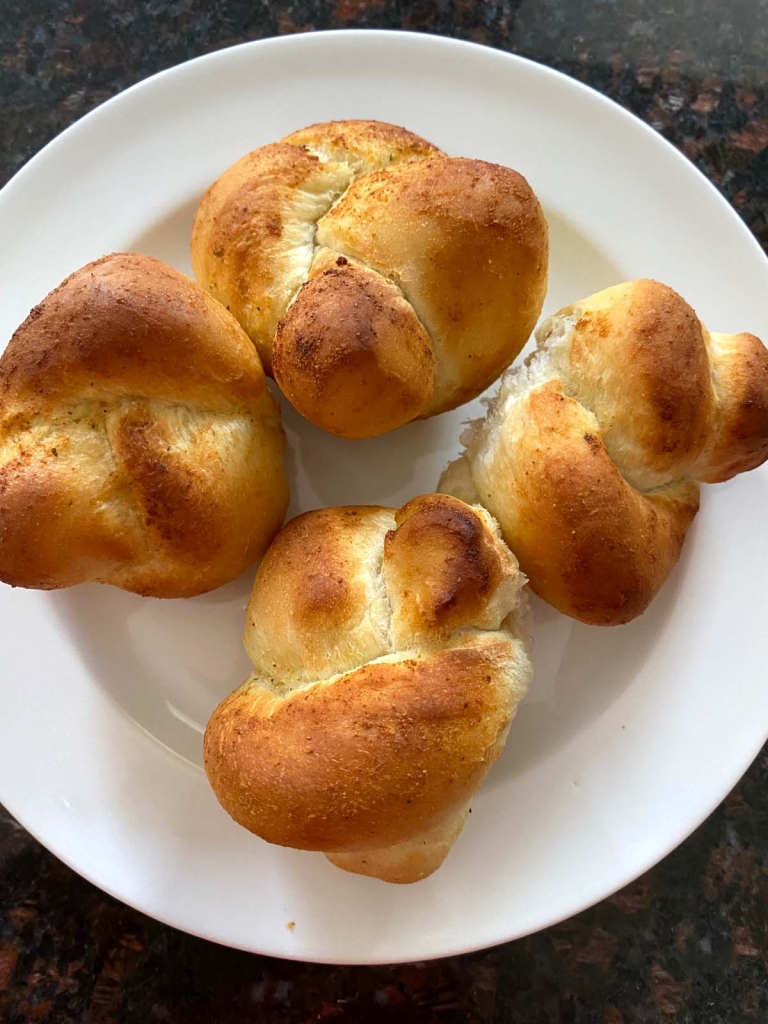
point(686, 943)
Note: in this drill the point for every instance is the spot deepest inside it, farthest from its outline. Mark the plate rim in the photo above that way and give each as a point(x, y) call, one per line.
point(415, 39)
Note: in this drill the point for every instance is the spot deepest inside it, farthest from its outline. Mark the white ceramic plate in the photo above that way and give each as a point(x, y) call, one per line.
point(630, 736)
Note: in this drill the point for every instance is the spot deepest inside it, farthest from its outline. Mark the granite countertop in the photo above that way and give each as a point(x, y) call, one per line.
point(687, 942)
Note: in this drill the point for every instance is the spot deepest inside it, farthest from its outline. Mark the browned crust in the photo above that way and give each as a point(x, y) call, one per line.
point(54, 531)
point(311, 569)
point(129, 325)
point(178, 510)
point(312, 593)
point(351, 354)
point(244, 235)
point(368, 760)
point(378, 748)
point(592, 475)
point(237, 236)
point(639, 362)
point(139, 445)
point(444, 562)
point(740, 439)
point(365, 139)
point(590, 544)
point(467, 241)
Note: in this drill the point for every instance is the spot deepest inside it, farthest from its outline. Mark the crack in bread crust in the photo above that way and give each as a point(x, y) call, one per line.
point(448, 255)
point(254, 234)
